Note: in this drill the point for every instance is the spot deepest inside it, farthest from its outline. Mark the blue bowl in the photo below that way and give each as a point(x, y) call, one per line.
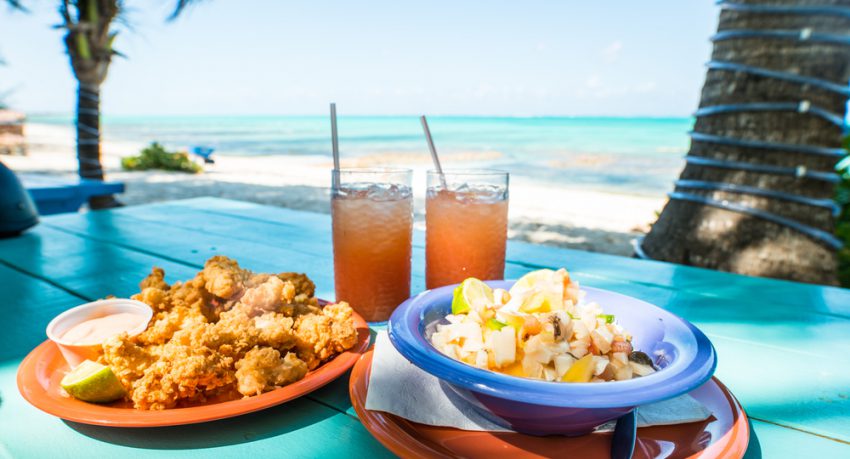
point(684, 354)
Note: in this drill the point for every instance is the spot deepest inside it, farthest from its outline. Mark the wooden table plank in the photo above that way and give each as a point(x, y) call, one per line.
point(808, 393)
point(88, 268)
point(776, 441)
point(27, 301)
point(298, 429)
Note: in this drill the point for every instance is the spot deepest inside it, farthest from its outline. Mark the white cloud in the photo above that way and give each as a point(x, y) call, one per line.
point(645, 87)
point(484, 90)
point(612, 52)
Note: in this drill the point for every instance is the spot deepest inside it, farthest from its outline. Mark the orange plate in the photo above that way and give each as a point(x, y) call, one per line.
point(40, 372)
point(725, 434)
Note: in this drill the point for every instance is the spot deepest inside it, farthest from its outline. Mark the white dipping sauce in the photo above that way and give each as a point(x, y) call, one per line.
point(96, 331)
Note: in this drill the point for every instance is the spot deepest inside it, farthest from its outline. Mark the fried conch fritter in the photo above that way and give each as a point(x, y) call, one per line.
point(228, 332)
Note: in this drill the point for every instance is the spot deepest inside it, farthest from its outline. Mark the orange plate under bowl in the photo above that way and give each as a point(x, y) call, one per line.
point(724, 435)
point(41, 371)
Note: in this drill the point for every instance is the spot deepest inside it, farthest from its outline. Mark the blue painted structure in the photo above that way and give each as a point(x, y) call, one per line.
point(58, 195)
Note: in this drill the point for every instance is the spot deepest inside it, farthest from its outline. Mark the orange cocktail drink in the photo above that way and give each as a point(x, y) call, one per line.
point(372, 212)
point(466, 218)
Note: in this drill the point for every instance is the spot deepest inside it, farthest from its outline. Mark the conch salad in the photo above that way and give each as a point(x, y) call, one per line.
point(541, 328)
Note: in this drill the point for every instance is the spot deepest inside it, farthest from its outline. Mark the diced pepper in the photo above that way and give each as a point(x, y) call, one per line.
point(494, 324)
point(515, 321)
point(581, 371)
point(609, 318)
point(514, 369)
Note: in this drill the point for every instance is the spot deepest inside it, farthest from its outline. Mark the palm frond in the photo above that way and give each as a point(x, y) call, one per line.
point(16, 5)
point(180, 6)
point(64, 10)
point(124, 18)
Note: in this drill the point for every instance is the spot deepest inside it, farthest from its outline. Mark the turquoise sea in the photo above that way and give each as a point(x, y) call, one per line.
point(635, 155)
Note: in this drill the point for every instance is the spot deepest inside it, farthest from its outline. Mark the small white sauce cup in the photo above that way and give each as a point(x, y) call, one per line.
point(77, 353)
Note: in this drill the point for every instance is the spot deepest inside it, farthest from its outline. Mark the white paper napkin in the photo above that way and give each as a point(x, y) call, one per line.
point(397, 386)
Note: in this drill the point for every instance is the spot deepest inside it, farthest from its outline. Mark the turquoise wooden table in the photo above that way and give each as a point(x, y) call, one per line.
point(784, 348)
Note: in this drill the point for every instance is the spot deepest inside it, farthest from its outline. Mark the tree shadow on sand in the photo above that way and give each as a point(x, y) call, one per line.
point(574, 237)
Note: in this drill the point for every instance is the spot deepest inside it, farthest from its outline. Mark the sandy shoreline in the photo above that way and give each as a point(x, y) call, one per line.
point(559, 216)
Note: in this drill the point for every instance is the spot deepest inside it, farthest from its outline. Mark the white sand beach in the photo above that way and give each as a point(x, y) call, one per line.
point(559, 216)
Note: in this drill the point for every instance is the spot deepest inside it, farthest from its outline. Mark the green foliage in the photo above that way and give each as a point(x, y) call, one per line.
point(842, 225)
point(155, 156)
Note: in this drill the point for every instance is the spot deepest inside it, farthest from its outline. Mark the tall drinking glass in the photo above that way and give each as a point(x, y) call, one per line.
point(372, 211)
point(466, 219)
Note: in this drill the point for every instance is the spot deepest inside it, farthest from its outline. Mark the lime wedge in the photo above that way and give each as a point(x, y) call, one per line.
point(93, 382)
point(471, 294)
point(543, 290)
point(536, 302)
point(531, 280)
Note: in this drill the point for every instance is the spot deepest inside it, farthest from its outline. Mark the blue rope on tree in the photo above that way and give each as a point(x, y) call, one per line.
point(793, 148)
point(637, 244)
point(87, 128)
point(785, 76)
point(828, 204)
point(784, 9)
point(799, 107)
point(798, 172)
point(91, 93)
point(814, 233)
point(802, 35)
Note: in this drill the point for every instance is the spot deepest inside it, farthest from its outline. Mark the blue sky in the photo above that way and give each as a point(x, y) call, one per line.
point(519, 58)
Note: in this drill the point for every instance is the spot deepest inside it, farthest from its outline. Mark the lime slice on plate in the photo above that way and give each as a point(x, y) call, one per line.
point(471, 294)
point(93, 382)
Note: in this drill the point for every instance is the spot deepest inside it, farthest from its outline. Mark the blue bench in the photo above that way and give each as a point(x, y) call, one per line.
point(57, 195)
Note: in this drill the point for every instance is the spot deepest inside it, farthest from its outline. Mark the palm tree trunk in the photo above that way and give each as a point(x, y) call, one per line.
point(725, 212)
point(88, 141)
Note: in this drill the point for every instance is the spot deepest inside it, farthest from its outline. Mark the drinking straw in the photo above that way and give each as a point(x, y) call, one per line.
point(433, 151)
point(335, 143)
